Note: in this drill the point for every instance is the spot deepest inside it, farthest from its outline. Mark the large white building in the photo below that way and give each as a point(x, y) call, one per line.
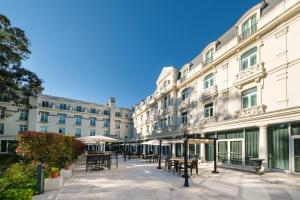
point(241, 89)
point(62, 115)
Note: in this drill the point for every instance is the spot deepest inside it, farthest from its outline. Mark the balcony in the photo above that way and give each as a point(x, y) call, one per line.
point(252, 111)
point(184, 103)
point(253, 73)
point(208, 120)
point(210, 92)
point(247, 33)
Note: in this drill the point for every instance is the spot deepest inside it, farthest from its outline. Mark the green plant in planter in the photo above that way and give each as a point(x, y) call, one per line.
point(54, 172)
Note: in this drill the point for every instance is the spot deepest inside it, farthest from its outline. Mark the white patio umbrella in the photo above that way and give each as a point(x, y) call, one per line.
point(97, 139)
point(155, 142)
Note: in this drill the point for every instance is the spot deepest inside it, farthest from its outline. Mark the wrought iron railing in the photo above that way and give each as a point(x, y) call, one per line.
point(247, 33)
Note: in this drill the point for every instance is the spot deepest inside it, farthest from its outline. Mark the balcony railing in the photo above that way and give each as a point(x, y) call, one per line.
point(208, 120)
point(252, 111)
point(208, 60)
point(253, 73)
point(209, 92)
point(247, 33)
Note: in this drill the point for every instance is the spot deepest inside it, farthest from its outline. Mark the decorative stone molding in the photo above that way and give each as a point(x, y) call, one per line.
point(208, 120)
point(256, 110)
point(281, 32)
point(253, 73)
point(209, 92)
point(184, 104)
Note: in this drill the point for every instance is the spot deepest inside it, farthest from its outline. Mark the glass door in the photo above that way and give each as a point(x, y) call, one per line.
point(222, 151)
point(236, 152)
point(296, 158)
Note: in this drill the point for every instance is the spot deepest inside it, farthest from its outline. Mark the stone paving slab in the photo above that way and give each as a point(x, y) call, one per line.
point(136, 180)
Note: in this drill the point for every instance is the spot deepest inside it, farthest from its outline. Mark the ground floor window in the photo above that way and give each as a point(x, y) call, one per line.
point(278, 146)
point(209, 148)
point(251, 145)
point(178, 150)
point(7, 146)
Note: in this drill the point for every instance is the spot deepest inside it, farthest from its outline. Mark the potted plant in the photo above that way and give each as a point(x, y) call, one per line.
point(54, 172)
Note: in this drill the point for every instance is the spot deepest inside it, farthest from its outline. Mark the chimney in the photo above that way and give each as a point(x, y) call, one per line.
point(112, 101)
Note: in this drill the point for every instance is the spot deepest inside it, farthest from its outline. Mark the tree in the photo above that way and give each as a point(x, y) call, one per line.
point(16, 82)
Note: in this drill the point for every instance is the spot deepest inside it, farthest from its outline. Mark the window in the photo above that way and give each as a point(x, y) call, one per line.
point(63, 106)
point(1, 129)
point(44, 129)
point(106, 133)
point(155, 126)
point(3, 146)
point(79, 108)
point(23, 115)
point(93, 110)
point(62, 130)
point(23, 127)
point(208, 110)
point(77, 132)
point(126, 115)
point(184, 117)
point(184, 94)
point(105, 122)
point(249, 98)
point(24, 101)
point(209, 56)
point(62, 118)
point(147, 128)
point(249, 58)
point(165, 122)
point(78, 120)
point(249, 27)
point(118, 124)
point(208, 81)
point(2, 113)
point(4, 98)
point(93, 121)
point(44, 117)
point(184, 74)
point(118, 114)
point(45, 104)
point(169, 120)
point(106, 112)
point(92, 132)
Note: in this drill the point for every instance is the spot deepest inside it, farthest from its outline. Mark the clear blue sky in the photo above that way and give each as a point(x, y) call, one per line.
point(93, 49)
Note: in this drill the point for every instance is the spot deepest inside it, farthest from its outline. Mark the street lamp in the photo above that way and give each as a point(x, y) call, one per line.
point(125, 148)
point(159, 161)
point(185, 136)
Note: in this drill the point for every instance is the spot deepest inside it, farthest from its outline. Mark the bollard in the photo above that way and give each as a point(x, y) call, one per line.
point(40, 179)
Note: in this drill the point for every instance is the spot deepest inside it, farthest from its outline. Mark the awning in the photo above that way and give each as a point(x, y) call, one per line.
point(97, 139)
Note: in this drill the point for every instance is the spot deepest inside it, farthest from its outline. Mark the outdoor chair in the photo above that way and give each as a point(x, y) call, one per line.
point(193, 165)
point(91, 163)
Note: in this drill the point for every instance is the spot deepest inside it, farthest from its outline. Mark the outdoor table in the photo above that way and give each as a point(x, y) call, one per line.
point(257, 163)
point(179, 161)
point(99, 161)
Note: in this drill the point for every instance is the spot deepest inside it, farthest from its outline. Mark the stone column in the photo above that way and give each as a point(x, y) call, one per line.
point(202, 149)
point(173, 149)
point(263, 145)
point(181, 150)
point(144, 149)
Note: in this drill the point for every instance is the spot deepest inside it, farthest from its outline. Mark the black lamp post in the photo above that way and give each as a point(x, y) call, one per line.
point(125, 148)
point(215, 171)
point(186, 176)
point(159, 161)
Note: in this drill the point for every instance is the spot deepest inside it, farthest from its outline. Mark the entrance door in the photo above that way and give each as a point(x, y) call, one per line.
point(236, 148)
point(296, 158)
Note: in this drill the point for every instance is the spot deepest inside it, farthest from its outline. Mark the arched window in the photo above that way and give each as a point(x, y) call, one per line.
point(184, 94)
point(208, 81)
point(249, 58)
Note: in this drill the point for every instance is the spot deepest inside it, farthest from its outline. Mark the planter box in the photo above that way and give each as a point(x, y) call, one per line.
point(66, 173)
point(54, 183)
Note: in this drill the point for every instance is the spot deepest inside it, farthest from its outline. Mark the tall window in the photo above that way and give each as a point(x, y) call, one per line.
point(118, 124)
point(63, 106)
point(184, 117)
point(118, 114)
point(249, 27)
point(155, 126)
point(184, 94)
point(45, 104)
point(44, 117)
point(92, 132)
point(93, 121)
point(249, 98)
point(208, 110)
point(61, 118)
point(209, 56)
point(77, 132)
point(105, 122)
point(23, 127)
point(78, 120)
point(1, 129)
point(106, 112)
point(184, 74)
point(209, 81)
point(23, 115)
point(249, 58)
point(44, 129)
point(79, 108)
point(93, 110)
point(2, 113)
point(62, 130)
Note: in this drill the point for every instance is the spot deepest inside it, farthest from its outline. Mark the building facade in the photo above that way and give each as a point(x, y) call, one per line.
point(61, 115)
point(241, 89)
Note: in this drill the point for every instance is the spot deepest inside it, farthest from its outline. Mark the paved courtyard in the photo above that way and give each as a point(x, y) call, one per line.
point(137, 180)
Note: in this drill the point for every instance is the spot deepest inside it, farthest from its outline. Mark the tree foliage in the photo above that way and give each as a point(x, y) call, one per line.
point(15, 80)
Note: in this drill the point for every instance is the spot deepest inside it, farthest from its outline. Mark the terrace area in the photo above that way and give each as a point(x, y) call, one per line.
point(135, 179)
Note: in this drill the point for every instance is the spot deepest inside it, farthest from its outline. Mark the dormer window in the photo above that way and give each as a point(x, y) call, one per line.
point(249, 27)
point(249, 58)
point(184, 74)
point(208, 81)
point(209, 56)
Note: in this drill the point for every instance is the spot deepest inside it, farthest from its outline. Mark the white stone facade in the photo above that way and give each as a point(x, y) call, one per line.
point(249, 81)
